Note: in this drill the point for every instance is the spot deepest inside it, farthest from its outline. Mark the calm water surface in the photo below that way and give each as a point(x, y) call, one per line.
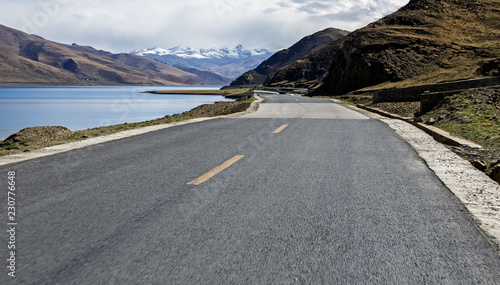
point(79, 108)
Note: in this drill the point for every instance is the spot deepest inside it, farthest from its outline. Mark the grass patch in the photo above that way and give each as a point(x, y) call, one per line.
point(350, 99)
point(8, 145)
point(473, 115)
point(466, 70)
point(480, 132)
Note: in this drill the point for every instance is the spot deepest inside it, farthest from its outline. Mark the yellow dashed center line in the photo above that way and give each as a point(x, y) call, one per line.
point(216, 170)
point(278, 130)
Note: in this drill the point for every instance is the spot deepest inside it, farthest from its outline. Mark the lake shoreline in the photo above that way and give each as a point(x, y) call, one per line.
point(34, 140)
point(80, 108)
point(227, 93)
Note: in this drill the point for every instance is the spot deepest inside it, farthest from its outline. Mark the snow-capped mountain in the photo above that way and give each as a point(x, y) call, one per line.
point(225, 62)
point(187, 52)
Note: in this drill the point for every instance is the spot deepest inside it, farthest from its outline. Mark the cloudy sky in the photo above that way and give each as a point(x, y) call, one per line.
point(127, 25)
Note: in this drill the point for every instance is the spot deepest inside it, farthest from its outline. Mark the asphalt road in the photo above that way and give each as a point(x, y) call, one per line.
point(331, 197)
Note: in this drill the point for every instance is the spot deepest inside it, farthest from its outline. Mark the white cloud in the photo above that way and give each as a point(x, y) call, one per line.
point(125, 25)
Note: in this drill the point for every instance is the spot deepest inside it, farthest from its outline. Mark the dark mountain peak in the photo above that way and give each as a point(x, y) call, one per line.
point(309, 71)
point(437, 5)
point(265, 71)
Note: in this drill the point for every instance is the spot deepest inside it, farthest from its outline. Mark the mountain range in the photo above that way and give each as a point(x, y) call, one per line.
point(263, 73)
point(424, 42)
point(228, 63)
point(198, 76)
point(309, 71)
point(29, 59)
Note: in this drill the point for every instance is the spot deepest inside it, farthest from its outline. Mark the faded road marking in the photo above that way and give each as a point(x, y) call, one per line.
point(278, 130)
point(216, 170)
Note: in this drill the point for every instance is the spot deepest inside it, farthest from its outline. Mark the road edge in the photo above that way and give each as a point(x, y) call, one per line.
point(254, 106)
point(438, 134)
point(474, 190)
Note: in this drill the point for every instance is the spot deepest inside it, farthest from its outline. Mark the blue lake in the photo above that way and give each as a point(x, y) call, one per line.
point(79, 108)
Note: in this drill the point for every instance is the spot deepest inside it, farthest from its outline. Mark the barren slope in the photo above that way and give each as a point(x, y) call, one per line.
point(308, 71)
point(264, 72)
point(146, 63)
point(424, 42)
point(27, 59)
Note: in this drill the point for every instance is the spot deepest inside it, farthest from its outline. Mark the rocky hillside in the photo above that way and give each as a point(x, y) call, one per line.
point(309, 71)
point(265, 71)
point(28, 59)
point(426, 41)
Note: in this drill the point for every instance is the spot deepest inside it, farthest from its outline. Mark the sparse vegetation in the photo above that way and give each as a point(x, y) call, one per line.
point(9, 145)
point(472, 114)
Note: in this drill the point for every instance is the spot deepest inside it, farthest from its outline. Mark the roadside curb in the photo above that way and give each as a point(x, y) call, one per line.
point(478, 193)
point(473, 189)
point(438, 134)
point(254, 106)
point(56, 149)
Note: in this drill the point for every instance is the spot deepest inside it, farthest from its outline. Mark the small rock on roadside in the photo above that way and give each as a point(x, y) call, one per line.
point(430, 121)
point(479, 164)
point(495, 174)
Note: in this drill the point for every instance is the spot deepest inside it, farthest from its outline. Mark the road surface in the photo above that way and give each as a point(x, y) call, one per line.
point(304, 191)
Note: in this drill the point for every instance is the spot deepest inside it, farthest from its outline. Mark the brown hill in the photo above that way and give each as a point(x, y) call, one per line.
point(309, 71)
point(204, 77)
point(28, 59)
point(264, 72)
point(426, 41)
point(142, 62)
